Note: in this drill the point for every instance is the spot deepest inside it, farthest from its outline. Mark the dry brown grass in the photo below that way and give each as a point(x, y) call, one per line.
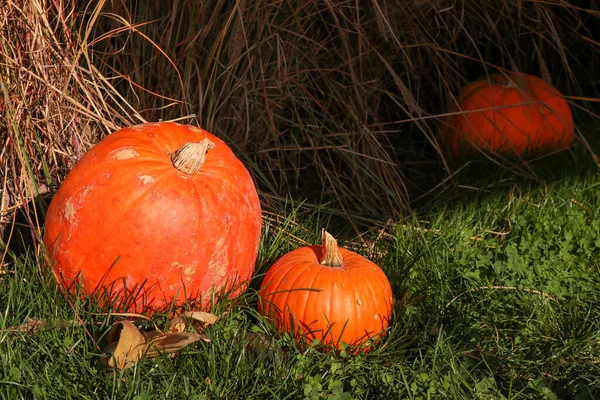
point(54, 104)
point(334, 101)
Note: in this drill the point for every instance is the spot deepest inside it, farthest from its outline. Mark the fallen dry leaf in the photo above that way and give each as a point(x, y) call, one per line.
point(206, 318)
point(171, 342)
point(125, 345)
point(179, 323)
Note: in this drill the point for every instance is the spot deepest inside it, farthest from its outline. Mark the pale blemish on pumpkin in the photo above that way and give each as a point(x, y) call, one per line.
point(123, 154)
point(86, 190)
point(174, 266)
point(142, 127)
point(358, 302)
point(146, 179)
point(188, 272)
point(219, 262)
point(69, 213)
point(72, 205)
point(376, 316)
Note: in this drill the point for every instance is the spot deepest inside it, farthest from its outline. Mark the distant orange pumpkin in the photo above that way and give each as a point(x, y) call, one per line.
point(514, 114)
point(327, 293)
point(155, 213)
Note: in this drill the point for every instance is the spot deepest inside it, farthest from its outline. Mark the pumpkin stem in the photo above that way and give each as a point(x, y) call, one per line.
point(331, 253)
point(190, 157)
point(514, 80)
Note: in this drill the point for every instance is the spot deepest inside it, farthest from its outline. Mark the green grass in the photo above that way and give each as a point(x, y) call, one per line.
point(502, 302)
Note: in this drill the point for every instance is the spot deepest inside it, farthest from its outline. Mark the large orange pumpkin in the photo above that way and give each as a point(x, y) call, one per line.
point(327, 293)
point(156, 213)
point(514, 114)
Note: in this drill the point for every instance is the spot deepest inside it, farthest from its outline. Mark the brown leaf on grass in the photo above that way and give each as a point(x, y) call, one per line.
point(171, 342)
point(179, 323)
point(125, 345)
point(206, 318)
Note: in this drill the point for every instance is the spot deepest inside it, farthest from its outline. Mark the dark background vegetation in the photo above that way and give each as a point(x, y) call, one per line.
point(334, 103)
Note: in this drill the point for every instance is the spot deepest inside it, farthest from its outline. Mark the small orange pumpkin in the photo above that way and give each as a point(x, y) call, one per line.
point(514, 114)
point(327, 293)
point(160, 210)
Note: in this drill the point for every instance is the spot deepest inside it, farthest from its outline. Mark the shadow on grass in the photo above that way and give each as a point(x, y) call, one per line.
point(472, 180)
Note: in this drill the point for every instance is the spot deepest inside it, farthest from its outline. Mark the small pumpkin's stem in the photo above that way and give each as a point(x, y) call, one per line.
point(513, 80)
point(190, 157)
point(331, 253)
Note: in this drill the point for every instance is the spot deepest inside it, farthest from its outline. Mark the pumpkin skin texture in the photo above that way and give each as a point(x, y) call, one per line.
point(127, 221)
point(326, 293)
point(513, 115)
